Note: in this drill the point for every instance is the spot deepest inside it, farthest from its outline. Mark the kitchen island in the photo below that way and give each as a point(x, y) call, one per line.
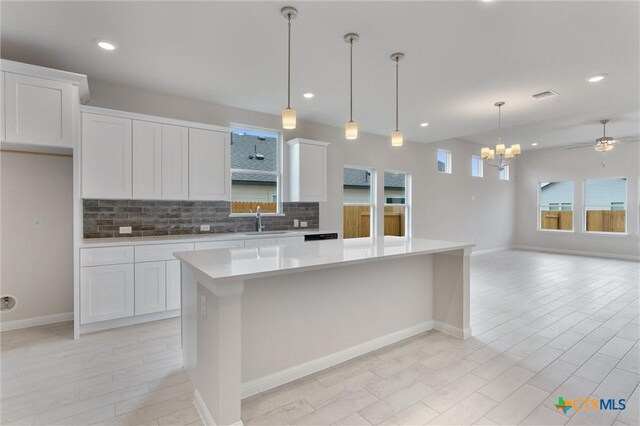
point(255, 318)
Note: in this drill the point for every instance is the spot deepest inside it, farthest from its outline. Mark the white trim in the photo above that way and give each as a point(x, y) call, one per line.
point(307, 141)
point(35, 321)
point(460, 333)
point(123, 322)
point(153, 118)
point(491, 250)
point(580, 253)
point(271, 381)
point(202, 409)
point(79, 80)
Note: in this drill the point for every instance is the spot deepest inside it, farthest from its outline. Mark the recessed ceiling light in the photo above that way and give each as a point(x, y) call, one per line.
point(424, 124)
point(308, 95)
point(596, 78)
point(106, 45)
point(534, 144)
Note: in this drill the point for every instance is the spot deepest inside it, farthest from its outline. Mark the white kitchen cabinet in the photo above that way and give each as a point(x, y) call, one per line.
point(290, 240)
point(260, 242)
point(150, 287)
point(175, 162)
point(147, 160)
point(219, 244)
point(173, 284)
point(106, 292)
point(106, 157)
point(38, 111)
point(209, 164)
point(307, 170)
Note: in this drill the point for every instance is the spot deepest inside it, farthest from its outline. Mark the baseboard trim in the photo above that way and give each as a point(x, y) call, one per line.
point(296, 372)
point(580, 253)
point(36, 321)
point(492, 250)
point(460, 333)
point(123, 322)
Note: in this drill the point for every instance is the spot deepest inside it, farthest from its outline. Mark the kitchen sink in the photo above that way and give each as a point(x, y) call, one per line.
point(266, 233)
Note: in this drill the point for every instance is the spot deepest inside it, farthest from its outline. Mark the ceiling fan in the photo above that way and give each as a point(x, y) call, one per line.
point(603, 144)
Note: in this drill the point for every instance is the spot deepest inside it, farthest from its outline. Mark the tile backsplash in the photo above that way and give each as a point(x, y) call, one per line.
point(103, 218)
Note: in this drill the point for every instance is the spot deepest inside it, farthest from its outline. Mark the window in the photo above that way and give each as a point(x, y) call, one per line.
point(605, 205)
point(555, 206)
point(396, 204)
point(476, 166)
point(255, 171)
point(504, 173)
point(358, 209)
point(444, 161)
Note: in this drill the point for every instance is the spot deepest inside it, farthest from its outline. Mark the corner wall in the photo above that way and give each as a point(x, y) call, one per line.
point(451, 207)
point(577, 165)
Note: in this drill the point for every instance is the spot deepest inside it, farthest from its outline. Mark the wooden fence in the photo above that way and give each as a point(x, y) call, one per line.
point(252, 206)
point(597, 220)
point(357, 220)
point(606, 220)
point(556, 219)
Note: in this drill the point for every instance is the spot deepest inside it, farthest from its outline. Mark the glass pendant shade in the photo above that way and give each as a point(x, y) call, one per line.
point(500, 149)
point(492, 154)
point(351, 130)
point(484, 153)
point(397, 139)
point(508, 153)
point(289, 119)
point(515, 149)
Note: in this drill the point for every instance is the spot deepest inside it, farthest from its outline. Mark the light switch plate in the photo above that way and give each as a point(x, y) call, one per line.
point(205, 227)
point(125, 229)
point(296, 223)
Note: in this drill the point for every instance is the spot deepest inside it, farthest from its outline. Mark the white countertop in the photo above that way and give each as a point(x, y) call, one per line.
point(236, 264)
point(193, 238)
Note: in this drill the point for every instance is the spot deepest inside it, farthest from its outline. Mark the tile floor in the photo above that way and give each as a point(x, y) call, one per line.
point(545, 325)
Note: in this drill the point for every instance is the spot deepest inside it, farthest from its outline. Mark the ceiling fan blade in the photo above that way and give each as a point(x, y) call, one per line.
point(585, 145)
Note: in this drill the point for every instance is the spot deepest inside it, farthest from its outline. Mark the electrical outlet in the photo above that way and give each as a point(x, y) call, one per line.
point(303, 224)
point(125, 230)
point(205, 227)
point(203, 306)
point(296, 223)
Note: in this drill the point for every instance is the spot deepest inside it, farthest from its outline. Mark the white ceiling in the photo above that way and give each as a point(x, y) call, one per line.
point(461, 57)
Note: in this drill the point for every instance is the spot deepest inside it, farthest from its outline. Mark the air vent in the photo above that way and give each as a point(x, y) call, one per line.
point(544, 95)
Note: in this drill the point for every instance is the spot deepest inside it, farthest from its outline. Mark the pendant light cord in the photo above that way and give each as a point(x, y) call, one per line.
point(397, 68)
point(500, 124)
point(351, 80)
point(289, 63)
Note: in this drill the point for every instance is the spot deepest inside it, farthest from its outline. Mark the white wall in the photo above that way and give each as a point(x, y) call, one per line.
point(37, 263)
point(443, 204)
point(576, 165)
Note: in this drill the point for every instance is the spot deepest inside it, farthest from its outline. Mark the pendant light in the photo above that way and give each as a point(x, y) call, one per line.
point(397, 139)
point(351, 128)
point(289, 114)
point(505, 155)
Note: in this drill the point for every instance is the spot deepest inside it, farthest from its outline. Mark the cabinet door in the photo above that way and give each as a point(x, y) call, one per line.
point(38, 111)
point(106, 292)
point(151, 291)
point(208, 165)
point(175, 162)
point(173, 284)
point(147, 160)
point(313, 173)
point(106, 157)
point(260, 242)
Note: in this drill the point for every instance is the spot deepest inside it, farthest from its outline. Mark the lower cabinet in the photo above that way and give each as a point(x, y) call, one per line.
point(173, 284)
point(106, 293)
point(150, 287)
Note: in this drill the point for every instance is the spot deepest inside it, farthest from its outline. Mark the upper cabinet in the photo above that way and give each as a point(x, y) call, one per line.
point(307, 170)
point(106, 157)
point(38, 111)
point(175, 162)
point(40, 105)
point(147, 160)
point(209, 165)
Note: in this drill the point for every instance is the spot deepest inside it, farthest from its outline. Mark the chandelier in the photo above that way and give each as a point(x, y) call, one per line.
point(505, 155)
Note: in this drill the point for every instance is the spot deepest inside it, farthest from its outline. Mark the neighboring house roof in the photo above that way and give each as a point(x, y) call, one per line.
point(599, 193)
point(359, 178)
point(253, 152)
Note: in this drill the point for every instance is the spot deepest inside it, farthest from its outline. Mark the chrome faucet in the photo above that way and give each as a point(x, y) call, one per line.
point(259, 225)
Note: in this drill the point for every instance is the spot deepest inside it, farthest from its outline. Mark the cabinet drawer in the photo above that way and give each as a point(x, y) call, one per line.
point(156, 252)
point(106, 256)
point(291, 240)
point(219, 244)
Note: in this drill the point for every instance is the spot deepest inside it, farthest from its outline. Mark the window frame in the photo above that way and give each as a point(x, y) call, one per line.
point(480, 166)
point(277, 173)
point(373, 191)
point(448, 165)
point(560, 205)
point(406, 204)
point(626, 210)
